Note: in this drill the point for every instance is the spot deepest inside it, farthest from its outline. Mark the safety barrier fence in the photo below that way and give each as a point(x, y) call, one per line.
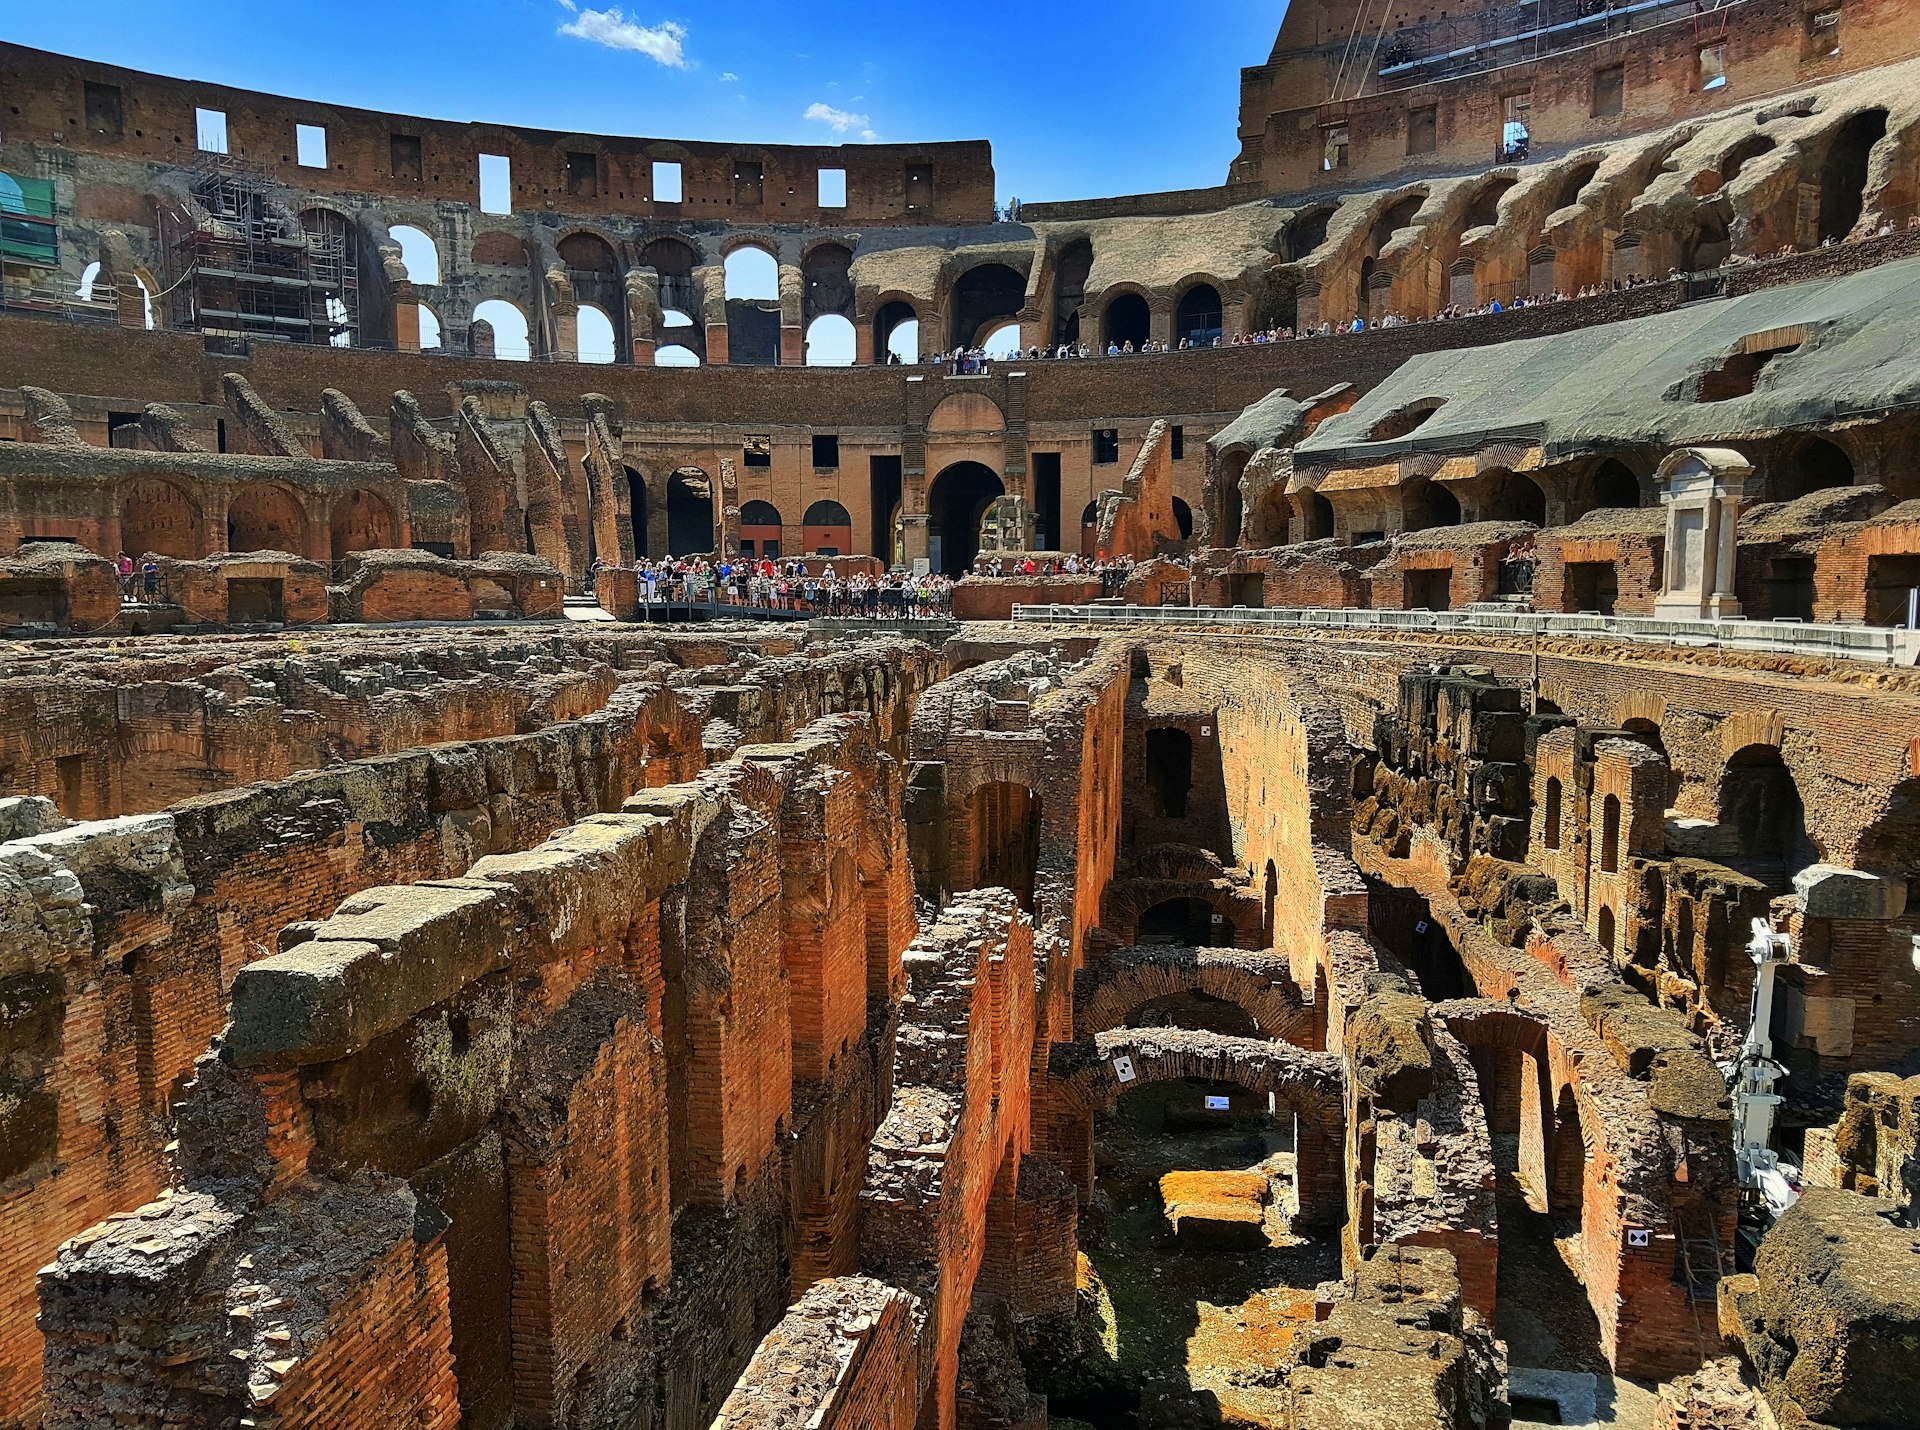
point(1877, 644)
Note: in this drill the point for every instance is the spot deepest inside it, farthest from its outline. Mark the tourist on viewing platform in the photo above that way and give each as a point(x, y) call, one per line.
point(125, 568)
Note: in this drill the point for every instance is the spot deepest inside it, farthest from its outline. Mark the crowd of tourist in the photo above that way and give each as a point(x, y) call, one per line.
point(773, 585)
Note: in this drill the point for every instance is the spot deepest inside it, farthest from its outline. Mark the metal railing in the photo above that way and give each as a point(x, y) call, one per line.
point(1879, 645)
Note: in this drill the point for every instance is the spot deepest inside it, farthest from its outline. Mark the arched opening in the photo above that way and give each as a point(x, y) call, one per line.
point(430, 339)
point(1614, 485)
point(1550, 817)
point(1127, 320)
point(1003, 825)
point(1177, 923)
point(753, 307)
point(896, 333)
point(1578, 179)
point(1738, 157)
point(157, 517)
point(1567, 1165)
point(1089, 527)
point(1484, 211)
point(677, 350)
point(1199, 321)
point(596, 337)
point(362, 521)
point(830, 341)
point(1427, 504)
point(1604, 928)
point(1169, 771)
point(1708, 240)
point(827, 273)
point(984, 297)
point(689, 513)
point(637, 507)
point(419, 254)
point(1070, 273)
point(1513, 496)
point(1182, 518)
point(674, 261)
point(828, 529)
point(1759, 800)
point(1610, 835)
point(956, 501)
point(510, 340)
point(760, 528)
point(91, 276)
point(1815, 465)
point(265, 518)
point(1843, 175)
point(333, 246)
point(1403, 420)
point(1304, 233)
point(1198, 1010)
point(1002, 342)
point(1319, 517)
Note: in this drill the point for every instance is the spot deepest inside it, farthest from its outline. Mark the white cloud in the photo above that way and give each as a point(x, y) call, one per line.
point(663, 43)
point(729, 78)
point(838, 120)
point(867, 136)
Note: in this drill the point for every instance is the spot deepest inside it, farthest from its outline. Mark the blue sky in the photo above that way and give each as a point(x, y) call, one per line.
point(1078, 99)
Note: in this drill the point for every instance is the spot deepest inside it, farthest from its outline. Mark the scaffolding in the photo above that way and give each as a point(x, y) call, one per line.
point(243, 266)
point(1488, 39)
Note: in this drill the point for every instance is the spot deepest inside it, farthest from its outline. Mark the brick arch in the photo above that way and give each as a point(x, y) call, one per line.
point(1082, 1078)
point(1259, 984)
point(1172, 871)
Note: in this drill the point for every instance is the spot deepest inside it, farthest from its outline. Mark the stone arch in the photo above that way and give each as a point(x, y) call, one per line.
point(826, 272)
point(1843, 171)
point(1085, 1076)
point(761, 526)
point(1425, 504)
point(1071, 270)
point(827, 529)
point(1300, 235)
point(158, 516)
point(1812, 465)
point(1125, 317)
point(1108, 995)
point(1567, 1156)
point(1199, 314)
point(982, 298)
point(1613, 484)
point(361, 520)
point(956, 501)
point(1169, 872)
point(892, 314)
point(263, 516)
point(1759, 797)
point(1506, 495)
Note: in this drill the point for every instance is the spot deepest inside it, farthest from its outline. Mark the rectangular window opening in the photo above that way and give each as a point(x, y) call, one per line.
point(210, 131)
point(749, 182)
point(1609, 91)
point(666, 182)
point(1516, 125)
point(403, 155)
point(1713, 66)
point(833, 188)
point(757, 452)
point(1333, 148)
point(826, 451)
point(583, 176)
point(310, 145)
point(1179, 444)
point(919, 186)
point(1423, 127)
point(104, 115)
point(1106, 446)
point(496, 184)
point(1823, 35)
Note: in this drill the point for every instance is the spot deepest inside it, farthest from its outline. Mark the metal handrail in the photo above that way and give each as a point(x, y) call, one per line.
point(1878, 644)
